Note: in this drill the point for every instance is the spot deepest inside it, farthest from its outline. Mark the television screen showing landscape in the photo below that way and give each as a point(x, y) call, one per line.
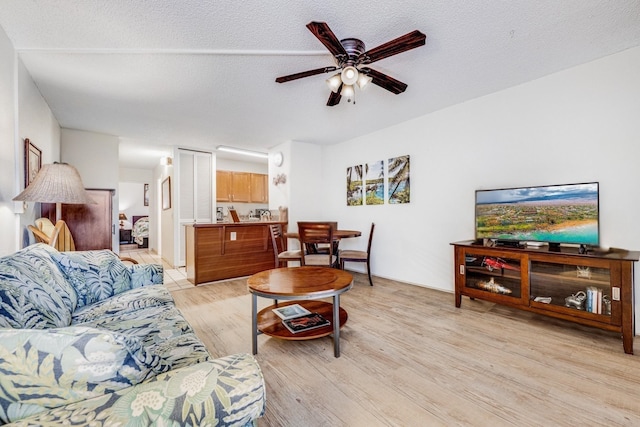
point(555, 214)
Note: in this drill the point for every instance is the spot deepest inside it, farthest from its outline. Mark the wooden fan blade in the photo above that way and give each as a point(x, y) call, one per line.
point(322, 31)
point(334, 97)
point(384, 81)
point(401, 44)
point(303, 74)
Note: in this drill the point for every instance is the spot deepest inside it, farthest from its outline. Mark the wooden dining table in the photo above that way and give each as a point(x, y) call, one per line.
point(337, 236)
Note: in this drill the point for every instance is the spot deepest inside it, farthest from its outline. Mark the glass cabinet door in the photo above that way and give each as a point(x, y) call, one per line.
point(582, 288)
point(493, 274)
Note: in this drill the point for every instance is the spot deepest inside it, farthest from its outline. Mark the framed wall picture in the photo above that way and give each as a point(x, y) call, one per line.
point(146, 195)
point(398, 177)
point(32, 162)
point(166, 193)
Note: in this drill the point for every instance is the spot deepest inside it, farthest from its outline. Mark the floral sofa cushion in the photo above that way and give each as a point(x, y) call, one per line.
point(33, 292)
point(163, 331)
point(133, 300)
point(228, 391)
point(53, 367)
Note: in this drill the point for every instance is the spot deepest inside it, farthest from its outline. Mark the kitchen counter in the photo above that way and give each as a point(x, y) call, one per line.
point(226, 250)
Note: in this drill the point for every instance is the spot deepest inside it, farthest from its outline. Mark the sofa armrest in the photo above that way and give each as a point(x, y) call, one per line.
point(228, 391)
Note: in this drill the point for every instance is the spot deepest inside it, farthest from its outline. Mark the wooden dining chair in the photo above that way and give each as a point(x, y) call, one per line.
point(359, 256)
point(282, 255)
point(311, 234)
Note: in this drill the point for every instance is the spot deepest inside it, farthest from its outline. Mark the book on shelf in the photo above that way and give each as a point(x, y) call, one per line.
point(593, 303)
point(305, 322)
point(290, 311)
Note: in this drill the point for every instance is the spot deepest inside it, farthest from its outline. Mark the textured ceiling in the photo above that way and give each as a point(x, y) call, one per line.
point(198, 73)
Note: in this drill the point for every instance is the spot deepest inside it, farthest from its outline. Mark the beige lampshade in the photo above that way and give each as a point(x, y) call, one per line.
point(122, 216)
point(56, 183)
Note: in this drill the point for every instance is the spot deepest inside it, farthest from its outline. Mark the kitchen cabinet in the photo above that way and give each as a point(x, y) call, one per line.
point(241, 187)
point(259, 188)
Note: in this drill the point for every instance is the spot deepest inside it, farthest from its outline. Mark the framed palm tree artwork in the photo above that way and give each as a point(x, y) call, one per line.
point(354, 185)
point(399, 183)
point(374, 173)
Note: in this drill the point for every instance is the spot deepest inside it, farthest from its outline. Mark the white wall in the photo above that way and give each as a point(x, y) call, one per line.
point(131, 192)
point(95, 155)
point(279, 195)
point(131, 199)
point(23, 114)
point(36, 122)
point(573, 126)
point(9, 157)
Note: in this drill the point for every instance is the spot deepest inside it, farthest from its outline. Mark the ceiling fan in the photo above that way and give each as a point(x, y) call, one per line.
point(350, 57)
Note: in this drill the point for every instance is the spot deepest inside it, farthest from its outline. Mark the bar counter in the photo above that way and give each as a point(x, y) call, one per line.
point(226, 250)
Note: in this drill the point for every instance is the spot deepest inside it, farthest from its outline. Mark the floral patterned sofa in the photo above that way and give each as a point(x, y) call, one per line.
point(87, 340)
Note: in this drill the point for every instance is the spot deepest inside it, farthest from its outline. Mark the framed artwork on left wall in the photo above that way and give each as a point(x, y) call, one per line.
point(166, 193)
point(32, 161)
point(146, 195)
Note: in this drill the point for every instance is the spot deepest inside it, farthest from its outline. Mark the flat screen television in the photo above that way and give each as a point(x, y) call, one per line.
point(553, 214)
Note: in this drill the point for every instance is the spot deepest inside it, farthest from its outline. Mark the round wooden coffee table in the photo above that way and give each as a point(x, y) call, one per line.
point(304, 286)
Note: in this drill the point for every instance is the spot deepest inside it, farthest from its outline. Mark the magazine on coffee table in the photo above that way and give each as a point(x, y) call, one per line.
point(305, 322)
point(290, 311)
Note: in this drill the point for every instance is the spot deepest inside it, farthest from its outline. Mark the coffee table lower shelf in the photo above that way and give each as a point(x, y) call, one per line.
point(270, 324)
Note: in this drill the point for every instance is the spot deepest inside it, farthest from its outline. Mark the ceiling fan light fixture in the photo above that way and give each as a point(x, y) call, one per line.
point(348, 92)
point(334, 83)
point(364, 80)
point(349, 75)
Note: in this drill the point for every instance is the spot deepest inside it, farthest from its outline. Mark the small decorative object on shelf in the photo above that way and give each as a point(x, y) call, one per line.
point(497, 264)
point(544, 300)
point(606, 303)
point(305, 323)
point(583, 272)
point(576, 300)
point(492, 286)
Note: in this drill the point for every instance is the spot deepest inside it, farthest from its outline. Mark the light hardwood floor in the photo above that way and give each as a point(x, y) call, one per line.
point(410, 358)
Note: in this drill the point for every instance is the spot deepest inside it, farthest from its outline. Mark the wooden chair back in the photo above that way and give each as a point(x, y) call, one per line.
point(359, 256)
point(277, 241)
point(311, 234)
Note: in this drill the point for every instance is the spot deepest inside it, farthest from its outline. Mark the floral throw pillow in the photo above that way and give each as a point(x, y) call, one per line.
point(50, 368)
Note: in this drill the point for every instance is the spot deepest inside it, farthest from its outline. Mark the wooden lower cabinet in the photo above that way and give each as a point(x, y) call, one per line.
point(593, 289)
point(227, 250)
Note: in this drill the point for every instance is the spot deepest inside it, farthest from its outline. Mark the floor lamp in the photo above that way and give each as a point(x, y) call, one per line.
point(56, 183)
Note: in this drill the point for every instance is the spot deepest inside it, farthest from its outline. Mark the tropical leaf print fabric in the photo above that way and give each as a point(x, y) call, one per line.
point(33, 292)
point(223, 392)
point(95, 275)
point(86, 340)
point(146, 274)
point(49, 368)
